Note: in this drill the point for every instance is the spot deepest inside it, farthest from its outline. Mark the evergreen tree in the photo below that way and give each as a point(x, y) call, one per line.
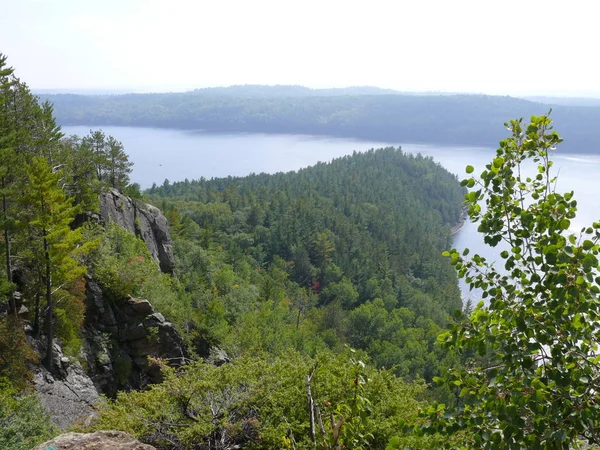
point(79, 169)
point(54, 245)
point(47, 135)
point(25, 129)
point(7, 158)
point(96, 142)
point(118, 166)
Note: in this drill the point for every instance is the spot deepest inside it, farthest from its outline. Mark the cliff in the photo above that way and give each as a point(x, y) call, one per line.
point(143, 220)
point(120, 338)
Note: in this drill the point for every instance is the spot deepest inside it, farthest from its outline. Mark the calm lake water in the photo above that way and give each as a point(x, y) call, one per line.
point(178, 154)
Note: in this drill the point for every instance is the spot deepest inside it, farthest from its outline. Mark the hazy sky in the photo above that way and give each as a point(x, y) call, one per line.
point(504, 47)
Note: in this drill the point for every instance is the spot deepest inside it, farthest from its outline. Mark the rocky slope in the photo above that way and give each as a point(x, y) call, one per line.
point(119, 339)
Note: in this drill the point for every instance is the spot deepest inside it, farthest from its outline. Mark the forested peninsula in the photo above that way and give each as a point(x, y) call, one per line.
point(358, 113)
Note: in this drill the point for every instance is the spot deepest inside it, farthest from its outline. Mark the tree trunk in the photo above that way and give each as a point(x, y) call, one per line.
point(11, 298)
point(36, 320)
point(50, 310)
point(113, 180)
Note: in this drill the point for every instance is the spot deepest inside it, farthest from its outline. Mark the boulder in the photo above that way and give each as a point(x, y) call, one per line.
point(139, 306)
point(101, 440)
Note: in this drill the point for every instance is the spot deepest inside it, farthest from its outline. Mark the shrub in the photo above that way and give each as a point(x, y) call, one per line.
point(23, 421)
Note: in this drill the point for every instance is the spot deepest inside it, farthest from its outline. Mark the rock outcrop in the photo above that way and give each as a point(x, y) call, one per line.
point(118, 339)
point(120, 336)
point(101, 440)
point(68, 394)
point(143, 220)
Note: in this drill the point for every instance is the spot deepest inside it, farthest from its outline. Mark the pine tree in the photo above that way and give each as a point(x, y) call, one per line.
point(118, 166)
point(96, 142)
point(47, 135)
point(7, 155)
point(79, 167)
point(53, 244)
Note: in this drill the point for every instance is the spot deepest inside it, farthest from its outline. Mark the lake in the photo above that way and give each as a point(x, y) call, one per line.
point(175, 155)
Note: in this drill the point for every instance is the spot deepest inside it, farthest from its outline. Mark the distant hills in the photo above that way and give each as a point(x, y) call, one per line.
point(356, 112)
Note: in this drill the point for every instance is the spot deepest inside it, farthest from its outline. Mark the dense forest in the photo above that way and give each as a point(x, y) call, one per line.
point(353, 245)
point(362, 113)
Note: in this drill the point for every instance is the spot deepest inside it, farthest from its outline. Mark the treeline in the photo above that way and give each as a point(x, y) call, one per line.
point(46, 181)
point(362, 113)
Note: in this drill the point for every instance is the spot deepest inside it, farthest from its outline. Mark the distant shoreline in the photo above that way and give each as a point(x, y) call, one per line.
point(461, 222)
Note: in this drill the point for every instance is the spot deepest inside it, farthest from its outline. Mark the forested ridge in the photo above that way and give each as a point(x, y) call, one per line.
point(362, 113)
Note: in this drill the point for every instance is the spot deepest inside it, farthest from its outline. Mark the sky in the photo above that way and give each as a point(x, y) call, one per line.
point(503, 47)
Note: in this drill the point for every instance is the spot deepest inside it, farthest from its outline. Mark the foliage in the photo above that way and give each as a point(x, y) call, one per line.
point(15, 352)
point(93, 163)
point(122, 263)
point(69, 317)
point(45, 182)
point(534, 383)
point(118, 166)
point(52, 245)
point(123, 266)
point(24, 423)
point(264, 404)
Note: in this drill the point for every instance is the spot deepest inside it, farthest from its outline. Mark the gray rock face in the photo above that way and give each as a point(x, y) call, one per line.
point(143, 220)
point(118, 339)
point(67, 396)
point(101, 440)
point(121, 336)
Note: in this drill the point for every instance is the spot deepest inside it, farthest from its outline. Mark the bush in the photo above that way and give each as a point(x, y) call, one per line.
point(263, 404)
point(123, 266)
point(15, 353)
point(23, 421)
